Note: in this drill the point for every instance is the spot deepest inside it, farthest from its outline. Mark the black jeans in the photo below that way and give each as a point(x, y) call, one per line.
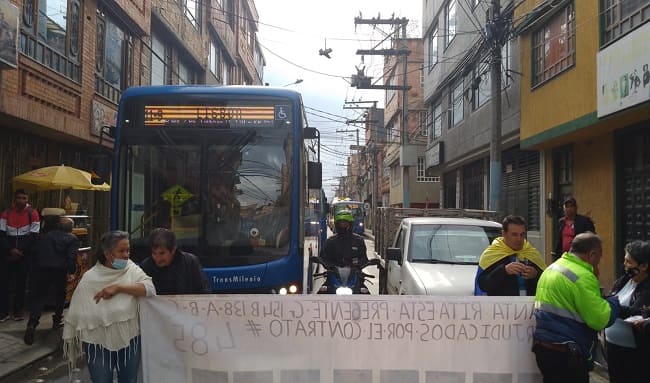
point(626, 365)
point(561, 366)
point(13, 277)
point(44, 281)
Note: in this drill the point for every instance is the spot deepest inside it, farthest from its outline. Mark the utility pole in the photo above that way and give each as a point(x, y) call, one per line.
point(371, 147)
point(405, 122)
point(361, 81)
point(495, 39)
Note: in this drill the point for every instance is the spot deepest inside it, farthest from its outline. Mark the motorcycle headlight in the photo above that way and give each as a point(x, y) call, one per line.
point(343, 291)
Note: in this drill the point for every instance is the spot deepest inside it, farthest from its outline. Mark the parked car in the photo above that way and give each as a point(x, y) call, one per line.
point(437, 256)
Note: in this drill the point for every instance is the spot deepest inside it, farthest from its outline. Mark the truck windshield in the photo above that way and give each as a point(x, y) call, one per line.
point(450, 243)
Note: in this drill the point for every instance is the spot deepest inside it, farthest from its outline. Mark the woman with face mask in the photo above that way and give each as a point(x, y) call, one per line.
point(102, 320)
point(627, 344)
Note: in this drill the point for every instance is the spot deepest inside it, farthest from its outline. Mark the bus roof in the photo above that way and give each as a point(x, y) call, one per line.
point(228, 90)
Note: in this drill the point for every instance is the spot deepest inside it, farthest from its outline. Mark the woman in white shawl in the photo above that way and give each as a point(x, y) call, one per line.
point(103, 316)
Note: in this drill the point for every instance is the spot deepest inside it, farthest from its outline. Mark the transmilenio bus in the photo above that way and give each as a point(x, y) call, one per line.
point(229, 170)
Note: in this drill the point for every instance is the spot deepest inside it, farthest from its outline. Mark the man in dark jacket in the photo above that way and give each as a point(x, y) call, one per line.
point(19, 228)
point(571, 224)
point(53, 263)
point(173, 271)
point(345, 248)
point(510, 265)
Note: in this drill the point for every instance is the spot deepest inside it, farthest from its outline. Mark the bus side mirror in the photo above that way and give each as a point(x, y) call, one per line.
point(314, 175)
point(101, 168)
point(311, 133)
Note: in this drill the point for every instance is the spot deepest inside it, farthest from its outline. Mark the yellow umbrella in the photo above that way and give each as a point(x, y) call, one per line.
point(57, 178)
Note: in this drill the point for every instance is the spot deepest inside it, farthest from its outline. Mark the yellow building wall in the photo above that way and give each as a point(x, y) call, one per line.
point(554, 102)
point(593, 188)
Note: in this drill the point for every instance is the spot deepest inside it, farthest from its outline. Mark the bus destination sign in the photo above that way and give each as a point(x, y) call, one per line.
point(210, 116)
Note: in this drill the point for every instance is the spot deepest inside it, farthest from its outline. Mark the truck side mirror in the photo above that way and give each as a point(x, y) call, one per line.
point(394, 254)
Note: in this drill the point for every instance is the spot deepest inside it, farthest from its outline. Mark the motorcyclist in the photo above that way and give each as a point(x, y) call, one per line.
point(344, 248)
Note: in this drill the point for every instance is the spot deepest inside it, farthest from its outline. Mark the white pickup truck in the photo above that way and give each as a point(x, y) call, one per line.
point(434, 255)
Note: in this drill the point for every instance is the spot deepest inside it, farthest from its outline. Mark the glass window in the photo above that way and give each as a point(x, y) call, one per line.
point(457, 104)
point(451, 22)
point(437, 120)
point(225, 77)
point(214, 60)
point(185, 74)
point(422, 123)
point(52, 25)
point(554, 46)
point(482, 91)
point(159, 68)
point(433, 48)
point(622, 16)
point(450, 243)
point(51, 33)
point(192, 12)
point(113, 55)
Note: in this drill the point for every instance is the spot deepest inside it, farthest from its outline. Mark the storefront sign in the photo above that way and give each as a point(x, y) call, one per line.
point(624, 73)
point(355, 339)
point(434, 155)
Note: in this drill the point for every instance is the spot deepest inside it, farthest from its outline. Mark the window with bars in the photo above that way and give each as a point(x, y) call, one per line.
point(521, 185)
point(422, 172)
point(113, 58)
point(554, 46)
point(50, 34)
point(622, 16)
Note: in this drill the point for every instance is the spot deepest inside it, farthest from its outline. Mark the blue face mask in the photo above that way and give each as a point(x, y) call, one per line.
point(119, 264)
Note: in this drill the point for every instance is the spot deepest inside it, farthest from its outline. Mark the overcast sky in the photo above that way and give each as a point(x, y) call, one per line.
point(291, 33)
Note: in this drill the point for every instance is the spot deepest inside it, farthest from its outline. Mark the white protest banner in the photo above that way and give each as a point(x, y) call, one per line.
point(337, 339)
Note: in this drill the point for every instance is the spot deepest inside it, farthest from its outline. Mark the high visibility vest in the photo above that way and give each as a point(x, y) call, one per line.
point(570, 289)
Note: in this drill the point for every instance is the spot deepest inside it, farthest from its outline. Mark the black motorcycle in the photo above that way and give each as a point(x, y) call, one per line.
point(344, 280)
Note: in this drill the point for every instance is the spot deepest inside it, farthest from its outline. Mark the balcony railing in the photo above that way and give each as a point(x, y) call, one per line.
point(49, 57)
point(106, 90)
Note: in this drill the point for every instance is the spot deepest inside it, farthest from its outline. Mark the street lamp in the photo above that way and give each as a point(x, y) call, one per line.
point(298, 81)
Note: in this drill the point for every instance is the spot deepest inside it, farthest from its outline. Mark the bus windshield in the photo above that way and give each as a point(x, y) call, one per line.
point(225, 193)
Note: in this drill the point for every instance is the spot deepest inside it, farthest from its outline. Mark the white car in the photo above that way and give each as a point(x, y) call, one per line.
point(437, 256)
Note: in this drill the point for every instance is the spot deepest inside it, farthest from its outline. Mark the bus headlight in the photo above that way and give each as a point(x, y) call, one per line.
point(282, 291)
point(293, 289)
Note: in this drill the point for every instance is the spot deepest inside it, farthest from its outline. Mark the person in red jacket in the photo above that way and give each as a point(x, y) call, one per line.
point(19, 228)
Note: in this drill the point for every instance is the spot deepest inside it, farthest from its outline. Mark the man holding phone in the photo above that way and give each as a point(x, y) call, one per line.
point(510, 265)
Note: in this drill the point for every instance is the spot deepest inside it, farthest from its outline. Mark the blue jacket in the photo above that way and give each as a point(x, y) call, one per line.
point(569, 306)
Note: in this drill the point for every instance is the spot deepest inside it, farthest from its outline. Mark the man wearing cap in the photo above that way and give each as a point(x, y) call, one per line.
point(571, 224)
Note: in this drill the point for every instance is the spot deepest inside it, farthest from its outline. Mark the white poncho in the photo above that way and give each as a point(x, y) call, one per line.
point(110, 323)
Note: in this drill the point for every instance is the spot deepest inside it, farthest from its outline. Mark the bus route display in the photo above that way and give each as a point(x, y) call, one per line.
point(213, 116)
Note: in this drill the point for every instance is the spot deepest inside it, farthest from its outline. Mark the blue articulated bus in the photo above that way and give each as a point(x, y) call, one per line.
point(229, 170)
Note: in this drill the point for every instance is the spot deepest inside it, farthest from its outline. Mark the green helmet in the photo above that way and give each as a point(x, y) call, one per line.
point(344, 215)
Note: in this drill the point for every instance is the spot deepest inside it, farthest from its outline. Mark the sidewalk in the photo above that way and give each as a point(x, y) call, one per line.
point(15, 354)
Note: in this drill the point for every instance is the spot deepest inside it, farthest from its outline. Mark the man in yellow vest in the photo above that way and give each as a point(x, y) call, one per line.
point(569, 311)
